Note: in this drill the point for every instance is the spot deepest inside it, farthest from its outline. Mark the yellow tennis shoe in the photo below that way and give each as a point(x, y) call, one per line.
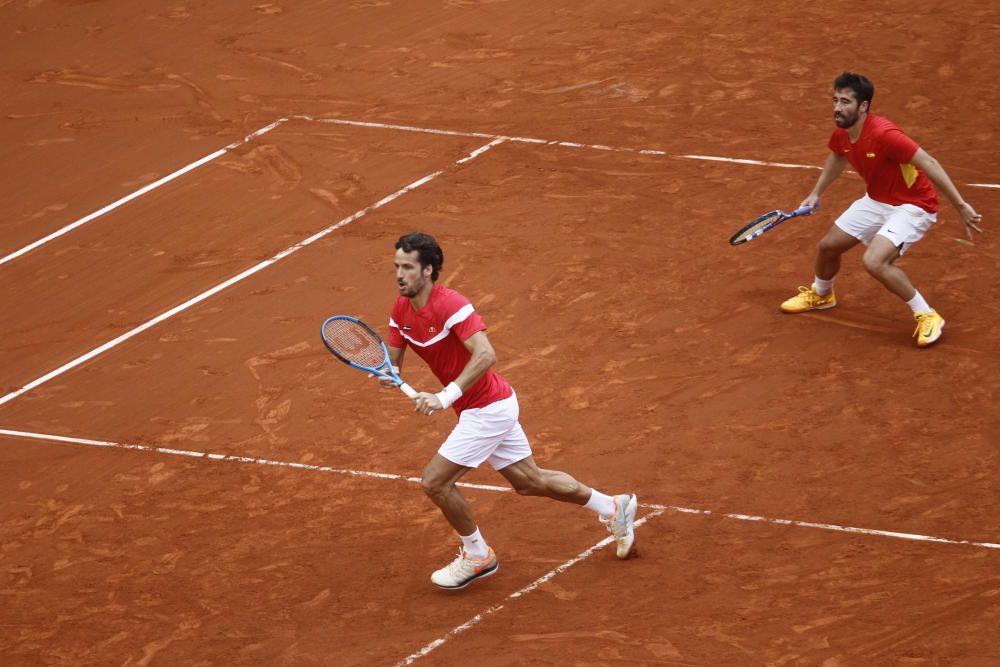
point(928, 329)
point(808, 299)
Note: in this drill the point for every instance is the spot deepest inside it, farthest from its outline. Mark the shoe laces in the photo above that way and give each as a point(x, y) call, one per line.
point(464, 564)
point(615, 526)
point(809, 294)
point(925, 324)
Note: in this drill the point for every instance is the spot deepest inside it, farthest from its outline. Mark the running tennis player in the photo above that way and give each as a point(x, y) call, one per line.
point(899, 207)
point(445, 331)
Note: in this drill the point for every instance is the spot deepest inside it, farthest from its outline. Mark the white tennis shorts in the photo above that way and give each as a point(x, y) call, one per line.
point(491, 433)
point(904, 225)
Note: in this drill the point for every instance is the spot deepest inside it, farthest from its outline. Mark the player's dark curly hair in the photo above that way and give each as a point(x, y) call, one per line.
point(429, 252)
point(864, 90)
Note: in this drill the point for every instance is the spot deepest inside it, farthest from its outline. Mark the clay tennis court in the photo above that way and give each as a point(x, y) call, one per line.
point(190, 189)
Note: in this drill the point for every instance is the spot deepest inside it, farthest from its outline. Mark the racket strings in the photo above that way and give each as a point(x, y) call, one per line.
point(760, 224)
point(354, 343)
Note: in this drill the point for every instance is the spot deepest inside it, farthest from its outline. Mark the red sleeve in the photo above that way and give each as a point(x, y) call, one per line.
point(395, 338)
point(898, 147)
point(472, 324)
point(834, 144)
point(460, 316)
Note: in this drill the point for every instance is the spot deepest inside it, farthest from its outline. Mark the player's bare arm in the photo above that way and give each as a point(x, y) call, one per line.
point(926, 163)
point(833, 167)
point(481, 359)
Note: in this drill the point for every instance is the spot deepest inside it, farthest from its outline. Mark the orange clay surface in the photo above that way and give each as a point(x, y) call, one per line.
point(647, 353)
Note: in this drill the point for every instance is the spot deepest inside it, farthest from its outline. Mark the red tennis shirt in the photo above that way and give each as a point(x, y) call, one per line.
point(436, 333)
point(882, 156)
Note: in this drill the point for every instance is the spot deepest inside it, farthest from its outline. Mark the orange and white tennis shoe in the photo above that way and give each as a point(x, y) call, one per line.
point(929, 327)
point(809, 299)
point(622, 524)
point(465, 569)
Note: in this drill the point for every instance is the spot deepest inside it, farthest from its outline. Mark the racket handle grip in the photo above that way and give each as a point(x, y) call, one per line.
point(408, 390)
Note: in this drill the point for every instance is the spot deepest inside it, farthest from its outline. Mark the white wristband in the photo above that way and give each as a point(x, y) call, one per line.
point(449, 395)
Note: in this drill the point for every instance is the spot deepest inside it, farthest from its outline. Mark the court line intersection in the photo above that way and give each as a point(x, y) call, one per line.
point(406, 128)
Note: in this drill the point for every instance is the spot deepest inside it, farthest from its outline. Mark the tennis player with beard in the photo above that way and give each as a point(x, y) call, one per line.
point(899, 207)
point(445, 331)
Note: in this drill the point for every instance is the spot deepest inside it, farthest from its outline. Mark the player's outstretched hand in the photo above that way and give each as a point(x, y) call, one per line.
point(970, 219)
point(427, 403)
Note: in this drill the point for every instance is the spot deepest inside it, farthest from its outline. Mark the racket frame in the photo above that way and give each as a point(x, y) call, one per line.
point(383, 370)
point(782, 217)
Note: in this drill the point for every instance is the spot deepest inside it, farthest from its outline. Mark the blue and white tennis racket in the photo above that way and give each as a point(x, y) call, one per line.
point(357, 345)
point(767, 222)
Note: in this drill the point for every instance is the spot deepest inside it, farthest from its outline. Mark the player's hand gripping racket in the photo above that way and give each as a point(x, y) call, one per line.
point(356, 344)
point(766, 223)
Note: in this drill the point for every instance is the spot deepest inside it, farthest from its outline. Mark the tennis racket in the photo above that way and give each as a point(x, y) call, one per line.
point(357, 345)
point(767, 222)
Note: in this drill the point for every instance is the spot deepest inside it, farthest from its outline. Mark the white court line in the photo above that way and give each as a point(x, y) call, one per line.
point(518, 593)
point(572, 144)
point(141, 191)
point(232, 458)
point(836, 528)
point(783, 165)
point(657, 510)
point(404, 128)
point(237, 278)
point(487, 487)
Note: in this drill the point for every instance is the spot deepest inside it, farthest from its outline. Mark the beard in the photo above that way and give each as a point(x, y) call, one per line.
point(412, 289)
point(844, 121)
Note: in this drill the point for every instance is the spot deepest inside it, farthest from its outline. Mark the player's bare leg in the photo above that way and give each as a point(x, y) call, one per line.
point(820, 295)
point(530, 480)
point(880, 261)
point(616, 512)
point(831, 247)
point(475, 560)
point(438, 481)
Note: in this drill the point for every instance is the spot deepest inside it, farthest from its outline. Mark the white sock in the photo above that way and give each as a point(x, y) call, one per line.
point(918, 304)
point(823, 287)
point(600, 503)
point(475, 545)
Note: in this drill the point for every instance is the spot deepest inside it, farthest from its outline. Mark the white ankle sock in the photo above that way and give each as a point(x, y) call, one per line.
point(475, 545)
point(918, 304)
point(823, 287)
point(600, 503)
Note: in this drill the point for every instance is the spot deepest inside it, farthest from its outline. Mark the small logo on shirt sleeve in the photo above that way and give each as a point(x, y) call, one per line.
point(431, 330)
point(869, 154)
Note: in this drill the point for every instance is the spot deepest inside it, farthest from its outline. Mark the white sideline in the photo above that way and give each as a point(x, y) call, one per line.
point(237, 278)
point(141, 191)
point(457, 630)
point(487, 487)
